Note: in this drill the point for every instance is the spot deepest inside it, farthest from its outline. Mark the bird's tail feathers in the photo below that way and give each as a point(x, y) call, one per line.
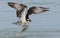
point(17, 23)
point(20, 23)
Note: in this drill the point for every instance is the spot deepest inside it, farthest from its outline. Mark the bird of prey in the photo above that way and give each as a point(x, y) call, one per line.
point(23, 13)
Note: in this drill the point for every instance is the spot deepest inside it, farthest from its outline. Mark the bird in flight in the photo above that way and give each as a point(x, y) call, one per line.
point(23, 13)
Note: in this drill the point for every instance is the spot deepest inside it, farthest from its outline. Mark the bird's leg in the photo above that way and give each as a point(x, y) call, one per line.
point(24, 28)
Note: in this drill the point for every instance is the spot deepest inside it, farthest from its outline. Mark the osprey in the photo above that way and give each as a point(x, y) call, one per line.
point(23, 13)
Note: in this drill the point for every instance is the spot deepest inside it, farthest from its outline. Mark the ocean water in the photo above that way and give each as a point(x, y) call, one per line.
point(15, 33)
point(44, 25)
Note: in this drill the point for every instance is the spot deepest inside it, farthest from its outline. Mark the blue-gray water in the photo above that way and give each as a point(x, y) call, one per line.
point(15, 33)
point(44, 25)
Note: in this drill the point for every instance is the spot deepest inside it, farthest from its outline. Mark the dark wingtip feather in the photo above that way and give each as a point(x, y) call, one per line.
point(45, 10)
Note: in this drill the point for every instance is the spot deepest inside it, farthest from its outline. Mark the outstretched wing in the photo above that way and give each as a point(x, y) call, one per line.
point(18, 13)
point(19, 8)
point(35, 10)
